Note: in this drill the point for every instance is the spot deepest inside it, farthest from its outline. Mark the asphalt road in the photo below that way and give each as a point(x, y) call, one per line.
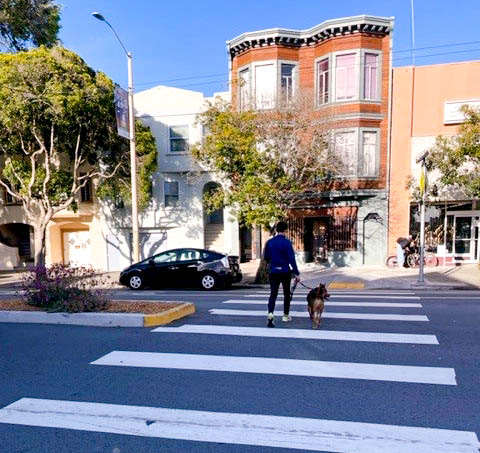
point(373, 368)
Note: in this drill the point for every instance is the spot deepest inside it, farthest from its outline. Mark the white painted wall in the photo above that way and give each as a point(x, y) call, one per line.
point(182, 226)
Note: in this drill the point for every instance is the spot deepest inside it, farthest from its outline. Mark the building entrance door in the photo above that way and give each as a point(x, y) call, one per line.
point(465, 244)
point(319, 240)
point(76, 248)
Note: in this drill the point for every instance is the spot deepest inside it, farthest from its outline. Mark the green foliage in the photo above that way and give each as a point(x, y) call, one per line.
point(28, 21)
point(457, 157)
point(266, 159)
point(120, 186)
point(50, 98)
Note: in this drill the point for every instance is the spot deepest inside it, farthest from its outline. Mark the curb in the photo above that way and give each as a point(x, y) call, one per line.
point(158, 319)
point(98, 319)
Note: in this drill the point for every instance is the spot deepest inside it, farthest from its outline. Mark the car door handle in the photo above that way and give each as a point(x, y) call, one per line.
point(193, 265)
point(172, 267)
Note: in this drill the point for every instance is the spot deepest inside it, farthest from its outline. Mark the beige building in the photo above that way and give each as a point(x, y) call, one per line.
point(426, 104)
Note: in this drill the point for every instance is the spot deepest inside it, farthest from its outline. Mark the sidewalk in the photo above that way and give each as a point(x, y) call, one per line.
point(466, 276)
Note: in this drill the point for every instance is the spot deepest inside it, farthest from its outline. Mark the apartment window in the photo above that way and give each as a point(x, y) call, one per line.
point(368, 162)
point(287, 82)
point(86, 191)
point(179, 139)
point(346, 152)
point(345, 77)
point(171, 193)
point(265, 86)
point(370, 80)
point(323, 81)
point(357, 152)
point(8, 199)
point(244, 89)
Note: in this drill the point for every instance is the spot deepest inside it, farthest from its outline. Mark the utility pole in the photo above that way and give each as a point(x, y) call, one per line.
point(423, 189)
point(133, 151)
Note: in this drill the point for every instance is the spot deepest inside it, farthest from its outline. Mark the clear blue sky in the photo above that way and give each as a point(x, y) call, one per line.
point(183, 39)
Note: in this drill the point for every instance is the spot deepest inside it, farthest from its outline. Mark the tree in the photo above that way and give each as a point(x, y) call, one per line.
point(457, 158)
point(57, 132)
point(267, 159)
point(28, 21)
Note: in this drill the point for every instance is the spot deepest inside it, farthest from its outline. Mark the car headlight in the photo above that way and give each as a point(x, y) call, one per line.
point(225, 262)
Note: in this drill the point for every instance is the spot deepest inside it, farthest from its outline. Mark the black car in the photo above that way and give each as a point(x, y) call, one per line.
point(183, 267)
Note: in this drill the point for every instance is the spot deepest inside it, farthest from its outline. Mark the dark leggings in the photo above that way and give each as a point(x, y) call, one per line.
point(275, 279)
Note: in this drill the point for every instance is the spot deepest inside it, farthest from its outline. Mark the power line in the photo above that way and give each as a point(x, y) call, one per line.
point(393, 52)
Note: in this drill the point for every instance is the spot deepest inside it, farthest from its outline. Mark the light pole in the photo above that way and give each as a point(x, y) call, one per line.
point(423, 188)
point(133, 152)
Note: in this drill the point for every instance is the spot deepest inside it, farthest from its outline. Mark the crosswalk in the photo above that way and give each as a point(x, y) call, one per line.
point(403, 311)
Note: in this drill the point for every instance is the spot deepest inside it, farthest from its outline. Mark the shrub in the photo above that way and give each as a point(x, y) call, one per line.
point(61, 288)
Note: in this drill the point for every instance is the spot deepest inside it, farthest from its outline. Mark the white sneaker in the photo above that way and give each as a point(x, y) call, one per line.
point(270, 316)
point(286, 318)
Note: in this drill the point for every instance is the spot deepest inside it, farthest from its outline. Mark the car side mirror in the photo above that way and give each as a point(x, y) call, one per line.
point(151, 262)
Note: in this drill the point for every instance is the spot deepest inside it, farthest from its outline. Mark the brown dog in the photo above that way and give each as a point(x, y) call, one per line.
point(316, 303)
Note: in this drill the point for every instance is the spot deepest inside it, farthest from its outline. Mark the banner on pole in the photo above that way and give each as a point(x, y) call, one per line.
point(121, 112)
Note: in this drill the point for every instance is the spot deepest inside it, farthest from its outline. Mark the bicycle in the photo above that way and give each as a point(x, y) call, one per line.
point(429, 259)
point(392, 261)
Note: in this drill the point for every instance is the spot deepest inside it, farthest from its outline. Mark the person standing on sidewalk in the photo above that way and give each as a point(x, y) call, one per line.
point(280, 256)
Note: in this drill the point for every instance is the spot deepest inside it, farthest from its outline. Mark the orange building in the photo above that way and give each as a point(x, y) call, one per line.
point(346, 64)
point(426, 103)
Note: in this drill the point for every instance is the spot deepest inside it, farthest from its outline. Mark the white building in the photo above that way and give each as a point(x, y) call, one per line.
point(176, 216)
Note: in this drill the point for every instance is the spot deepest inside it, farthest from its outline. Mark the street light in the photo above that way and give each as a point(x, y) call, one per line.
point(133, 153)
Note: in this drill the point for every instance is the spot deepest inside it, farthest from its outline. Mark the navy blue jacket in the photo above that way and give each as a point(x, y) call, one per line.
point(280, 255)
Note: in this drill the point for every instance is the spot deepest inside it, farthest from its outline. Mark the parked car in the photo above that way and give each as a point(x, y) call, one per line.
point(185, 267)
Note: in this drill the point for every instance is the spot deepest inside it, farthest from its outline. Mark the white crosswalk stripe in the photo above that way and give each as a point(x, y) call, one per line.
point(327, 303)
point(338, 335)
point(265, 430)
point(342, 296)
point(304, 314)
point(240, 429)
point(288, 367)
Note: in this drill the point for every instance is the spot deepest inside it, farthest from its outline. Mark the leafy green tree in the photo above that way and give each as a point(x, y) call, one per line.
point(267, 160)
point(457, 157)
point(58, 132)
point(28, 21)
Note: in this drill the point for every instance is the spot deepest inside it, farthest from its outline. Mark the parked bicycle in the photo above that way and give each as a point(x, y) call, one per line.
point(413, 260)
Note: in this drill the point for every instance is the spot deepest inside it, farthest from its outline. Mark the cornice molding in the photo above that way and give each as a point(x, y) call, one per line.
point(297, 38)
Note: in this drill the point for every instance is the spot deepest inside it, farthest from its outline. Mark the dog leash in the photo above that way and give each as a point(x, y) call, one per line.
point(305, 286)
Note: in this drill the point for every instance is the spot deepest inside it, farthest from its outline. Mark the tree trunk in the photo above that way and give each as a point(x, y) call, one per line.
point(39, 233)
point(262, 272)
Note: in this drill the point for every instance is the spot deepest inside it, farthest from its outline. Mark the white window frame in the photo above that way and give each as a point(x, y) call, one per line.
point(377, 150)
point(295, 77)
point(242, 105)
point(358, 143)
point(165, 182)
point(316, 74)
point(170, 138)
point(379, 54)
point(356, 53)
point(277, 84)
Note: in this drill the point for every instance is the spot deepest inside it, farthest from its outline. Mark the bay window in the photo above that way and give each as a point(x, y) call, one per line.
point(244, 89)
point(323, 81)
point(357, 152)
point(265, 86)
point(370, 76)
point(345, 77)
point(287, 85)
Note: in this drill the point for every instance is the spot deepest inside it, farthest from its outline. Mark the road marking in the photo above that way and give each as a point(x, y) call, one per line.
point(349, 296)
point(328, 303)
point(338, 335)
point(237, 429)
point(284, 367)
point(304, 314)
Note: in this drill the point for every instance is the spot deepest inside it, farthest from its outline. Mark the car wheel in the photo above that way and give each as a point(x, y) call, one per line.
point(135, 281)
point(208, 281)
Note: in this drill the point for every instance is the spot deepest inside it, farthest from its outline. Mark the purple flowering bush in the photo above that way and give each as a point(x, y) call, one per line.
point(61, 288)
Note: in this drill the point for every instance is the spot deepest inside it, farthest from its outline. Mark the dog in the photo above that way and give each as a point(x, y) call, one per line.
point(316, 303)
